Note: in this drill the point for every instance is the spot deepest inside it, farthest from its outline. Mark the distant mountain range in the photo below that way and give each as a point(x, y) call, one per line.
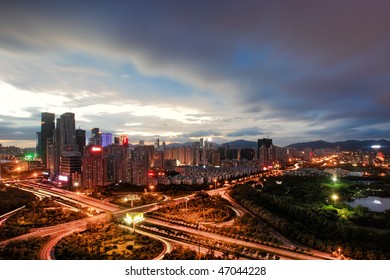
point(237, 144)
point(349, 145)
point(240, 144)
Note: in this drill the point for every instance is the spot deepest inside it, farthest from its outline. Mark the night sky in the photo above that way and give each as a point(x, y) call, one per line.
point(293, 71)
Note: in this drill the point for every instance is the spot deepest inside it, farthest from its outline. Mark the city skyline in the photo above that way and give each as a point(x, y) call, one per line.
point(295, 72)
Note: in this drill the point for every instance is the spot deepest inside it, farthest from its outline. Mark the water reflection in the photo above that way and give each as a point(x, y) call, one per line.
point(374, 203)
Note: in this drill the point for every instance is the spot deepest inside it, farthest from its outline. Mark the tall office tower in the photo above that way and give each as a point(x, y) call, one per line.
point(47, 132)
point(65, 137)
point(92, 167)
point(70, 163)
point(95, 137)
point(144, 153)
point(50, 155)
point(223, 152)
point(39, 145)
point(157, 144)
point(159, 159)
point(215, 158)
point(201, 141)
point(80, 139)
point(139, 172)
point(124, 141)
point(116, 163)
point(142, 159)
point(281, 155)
point(265, 151)
point(106, 139)
point(196, 153)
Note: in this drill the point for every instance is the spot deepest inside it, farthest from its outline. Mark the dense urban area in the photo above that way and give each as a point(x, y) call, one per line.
point(103, 198)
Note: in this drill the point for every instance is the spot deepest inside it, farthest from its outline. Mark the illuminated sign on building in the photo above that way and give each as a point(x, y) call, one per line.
point(134, 217)
point(124, 140)
point(63, 178)
point(96, 149)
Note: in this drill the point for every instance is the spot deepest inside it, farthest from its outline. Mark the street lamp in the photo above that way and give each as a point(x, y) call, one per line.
point(215, 183)
point(335, 197)
point(151, 188)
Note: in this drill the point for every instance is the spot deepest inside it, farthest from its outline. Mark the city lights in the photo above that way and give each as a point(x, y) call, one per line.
point(183, 131)
point(96, 149)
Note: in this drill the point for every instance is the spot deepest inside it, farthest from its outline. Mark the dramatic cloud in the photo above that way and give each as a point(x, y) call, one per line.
point(296, 71)
point(250, 131)
point(202, 133)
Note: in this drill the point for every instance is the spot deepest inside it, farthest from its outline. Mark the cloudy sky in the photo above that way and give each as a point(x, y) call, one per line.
point(179, 70)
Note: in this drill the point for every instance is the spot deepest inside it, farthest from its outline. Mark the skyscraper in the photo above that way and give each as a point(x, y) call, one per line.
point(157, 144)
point(93, 167)
point(106, 139)
point(80, 139)
point(266, 151)
point(47, 132)
point(95, 137)
point(65, 137)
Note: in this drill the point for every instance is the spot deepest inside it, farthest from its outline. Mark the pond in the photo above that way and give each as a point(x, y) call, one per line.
point(374, 203)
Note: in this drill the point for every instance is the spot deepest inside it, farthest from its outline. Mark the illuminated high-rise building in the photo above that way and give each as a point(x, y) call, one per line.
point(95, 138)
point(265, 151)
point(80, 139)
point(124, 140)
point(39, 145)
point(92, 167)
point(64, 138)
point(70, 163)
point(106, 139)
point(116, 163)
point(50, 155)
point(157, 144)
point(47, 132)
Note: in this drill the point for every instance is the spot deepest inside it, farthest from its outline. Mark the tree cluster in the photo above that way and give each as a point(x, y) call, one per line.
point(107, 242)
point(43, 213)
point(317, 228)
point(13, 198)
point(23, 249)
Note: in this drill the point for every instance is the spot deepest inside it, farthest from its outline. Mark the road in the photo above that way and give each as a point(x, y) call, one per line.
point(80, 198)
point(5, 216)
point(270, 249)
point(166, 241)
point(62, 230)
point(47, 251)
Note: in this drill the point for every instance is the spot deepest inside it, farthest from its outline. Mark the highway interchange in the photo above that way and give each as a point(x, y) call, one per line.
point(104, 212)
